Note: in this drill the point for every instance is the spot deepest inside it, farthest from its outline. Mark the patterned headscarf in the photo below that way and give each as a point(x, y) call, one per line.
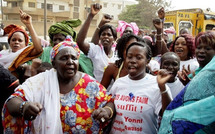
point(68, 43)
point(122, 25)
point(65, 28)
point(11, 29)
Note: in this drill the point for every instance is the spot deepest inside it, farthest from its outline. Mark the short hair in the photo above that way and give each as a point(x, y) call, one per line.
point(164, 56)
point(112, 28)
point(206, 38)
point(144, 45)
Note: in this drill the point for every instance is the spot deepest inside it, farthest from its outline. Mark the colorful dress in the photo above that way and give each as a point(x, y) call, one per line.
point(73, 109)
point(192, 111)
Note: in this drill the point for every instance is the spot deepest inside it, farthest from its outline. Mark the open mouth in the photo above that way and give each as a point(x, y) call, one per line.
point(200, 58)
point(179, 50)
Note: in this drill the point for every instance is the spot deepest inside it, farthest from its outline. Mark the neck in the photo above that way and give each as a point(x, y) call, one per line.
point(108, 50)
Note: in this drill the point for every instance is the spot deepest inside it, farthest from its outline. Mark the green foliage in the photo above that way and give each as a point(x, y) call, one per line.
point(144, 12)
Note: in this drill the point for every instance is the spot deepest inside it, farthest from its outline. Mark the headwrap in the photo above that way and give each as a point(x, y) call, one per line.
point(170, 30)
point(122, 25)
point(65, 28)
point(11, 29)
point(148, 37)
point(68, 43)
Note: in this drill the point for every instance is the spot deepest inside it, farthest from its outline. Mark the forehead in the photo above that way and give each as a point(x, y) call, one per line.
point(171, 57)
point(180, 39)
point(129, 28)
point(18, 34)
point(137, 50)
point(67, 51)
point(59, 35)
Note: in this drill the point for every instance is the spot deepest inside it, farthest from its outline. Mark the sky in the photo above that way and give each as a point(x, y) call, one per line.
point(186, 4)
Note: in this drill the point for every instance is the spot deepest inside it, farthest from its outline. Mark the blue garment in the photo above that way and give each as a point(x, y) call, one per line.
point(193, 109)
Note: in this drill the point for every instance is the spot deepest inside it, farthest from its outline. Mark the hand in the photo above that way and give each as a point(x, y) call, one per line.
point(31, 110)
point(25, 18)
point(105, 19)
point(95, 8)
point(158, 24)
point(100, 113)
point(161, 13)
point(183, 75)
point(162, 77)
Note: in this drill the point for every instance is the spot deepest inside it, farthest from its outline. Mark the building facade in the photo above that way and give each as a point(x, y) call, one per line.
point(59, 10)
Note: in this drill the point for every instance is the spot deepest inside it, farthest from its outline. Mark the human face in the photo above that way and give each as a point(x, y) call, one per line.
point(66, 63)
point(57, 38)
point(127, 44)
point(128, 30)
point(17, 41)
point(181, 48)
point(171, 63)
point(107, 38)
point(204, 54)
point(136, 62)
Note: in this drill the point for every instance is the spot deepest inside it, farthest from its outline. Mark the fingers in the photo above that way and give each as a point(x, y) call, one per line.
point(101, 115)
point(31, 110)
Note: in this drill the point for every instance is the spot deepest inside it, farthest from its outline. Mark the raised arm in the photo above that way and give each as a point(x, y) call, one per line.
point(27, 20)
point(84, 46)
point(105, 19)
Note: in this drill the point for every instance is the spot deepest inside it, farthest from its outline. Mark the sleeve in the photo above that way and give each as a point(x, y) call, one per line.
point(158, 104)
point(93, 50)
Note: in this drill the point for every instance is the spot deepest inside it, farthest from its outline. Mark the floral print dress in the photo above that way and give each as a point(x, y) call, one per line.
point(75, 112)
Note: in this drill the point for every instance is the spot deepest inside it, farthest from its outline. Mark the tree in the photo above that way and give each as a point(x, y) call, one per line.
point(144, 12)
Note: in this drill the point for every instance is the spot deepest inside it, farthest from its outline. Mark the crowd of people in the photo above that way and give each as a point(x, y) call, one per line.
point(134, 83)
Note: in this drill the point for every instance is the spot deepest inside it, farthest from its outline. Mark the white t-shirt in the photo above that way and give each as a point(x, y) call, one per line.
point(192, 62)
point(100, 60)
point(175, 87)
point(137, 114)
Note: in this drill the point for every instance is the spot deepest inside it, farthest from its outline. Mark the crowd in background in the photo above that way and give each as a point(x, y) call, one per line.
point(136, 83)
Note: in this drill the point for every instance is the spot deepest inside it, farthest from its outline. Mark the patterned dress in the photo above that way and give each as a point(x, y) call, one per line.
point(75, 112)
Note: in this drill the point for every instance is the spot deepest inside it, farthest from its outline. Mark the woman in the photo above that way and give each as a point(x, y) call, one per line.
point(139, 97)
point(118, 69)
point(101, 55)
point(124, 27)
point(18, 40)
point(192, 111)
point(205, 51)
point(183, 45)
point(62, 100)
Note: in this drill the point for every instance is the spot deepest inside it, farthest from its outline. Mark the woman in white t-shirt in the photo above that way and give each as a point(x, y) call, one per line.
point(184, 47)
point(139, 97)
point(101, 55)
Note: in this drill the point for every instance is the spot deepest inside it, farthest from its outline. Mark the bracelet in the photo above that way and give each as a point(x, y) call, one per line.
point(111, 115)
point(164, 91)
point(159, 35)
point(22, 106)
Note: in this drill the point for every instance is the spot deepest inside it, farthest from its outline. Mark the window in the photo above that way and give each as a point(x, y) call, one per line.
point(105, 5)
point(31, 4)
point(14, 4)
point(49, 6)
point(76, 9)
point(119, 6)
point(61, 7)
point(76, 3)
